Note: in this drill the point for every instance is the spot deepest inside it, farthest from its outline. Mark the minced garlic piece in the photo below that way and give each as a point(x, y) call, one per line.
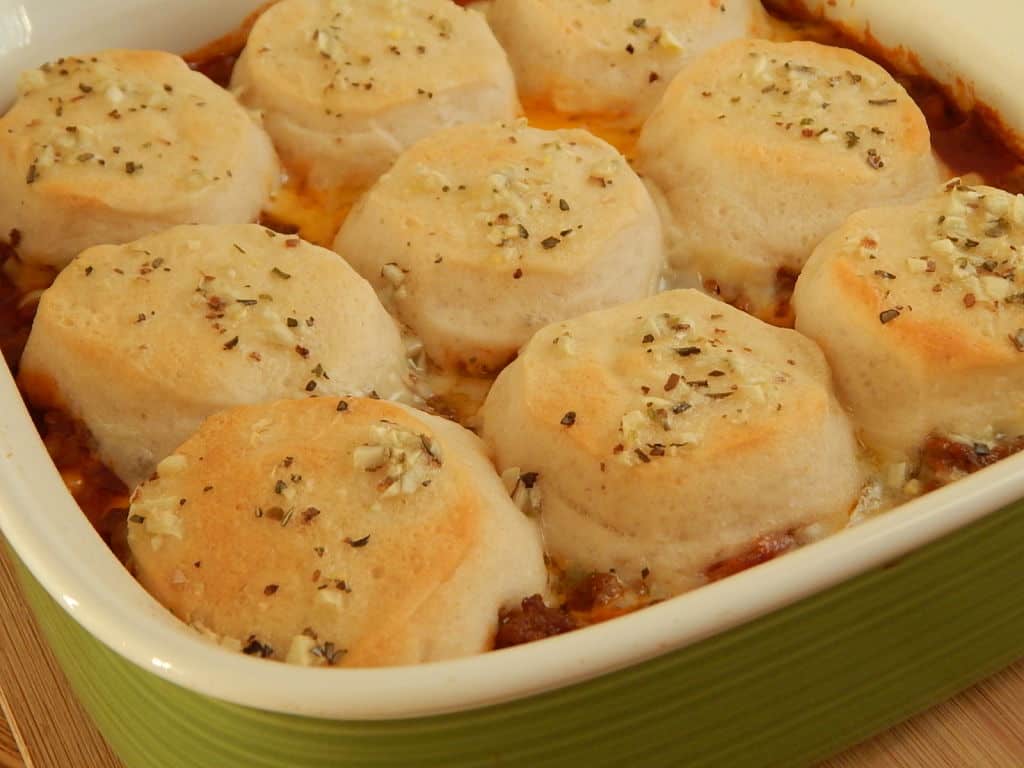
point(566, 342)
point(410, 460)
point(158, 517)
point(519, 204)
point(797, 99)
point(393, 274)
point(300, 652)
point(332, 597)
point(896, 474)
point(668, 41)
point(979, 241)
point(328, 44)
point(172, 465)
point(692, 369)
point(523, 489)
point(916, 265)
point(369, 457)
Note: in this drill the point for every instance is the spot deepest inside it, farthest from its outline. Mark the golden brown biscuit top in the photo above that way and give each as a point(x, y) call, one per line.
point(336, 58)
point(386, 460)
point(333, 507)
point(131, 127)
point(652, 28)
point(682, 376)
point(954, 278)
point(513, 196)
point(226, 313)
point(978, 240)
point(829, 103)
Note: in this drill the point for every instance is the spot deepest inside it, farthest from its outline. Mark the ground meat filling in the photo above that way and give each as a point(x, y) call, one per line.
point(531, 620)
point(764, 549)
point(943, 460)
point(16, 313)
point(595, 591)
point(98, 491)
point(596, 597)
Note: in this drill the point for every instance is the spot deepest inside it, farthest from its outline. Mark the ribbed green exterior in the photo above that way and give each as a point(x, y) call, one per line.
point(785, 690)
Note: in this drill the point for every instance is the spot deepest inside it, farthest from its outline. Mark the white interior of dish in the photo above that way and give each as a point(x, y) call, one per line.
point(43, 523)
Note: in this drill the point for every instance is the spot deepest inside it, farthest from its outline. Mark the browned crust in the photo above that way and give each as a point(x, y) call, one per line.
point(940, 343)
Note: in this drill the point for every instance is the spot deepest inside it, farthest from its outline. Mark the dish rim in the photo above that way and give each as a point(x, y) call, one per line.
point(77, 569)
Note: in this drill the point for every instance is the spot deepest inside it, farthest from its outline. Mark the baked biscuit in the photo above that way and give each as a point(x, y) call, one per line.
point(331, 532)
point(920, 311)
point(344, 87)
point(668, 436)
point(143, 341)
point(612, 59)
point(760, 149)
point(477, 247)
point(114, 146)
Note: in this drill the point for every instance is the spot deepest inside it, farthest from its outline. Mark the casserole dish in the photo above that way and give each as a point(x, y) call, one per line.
point(781, 665)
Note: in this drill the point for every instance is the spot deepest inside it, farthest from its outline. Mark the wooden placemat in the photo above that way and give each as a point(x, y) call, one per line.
point(43, 718)
point(982, 728)
point(9, 757)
